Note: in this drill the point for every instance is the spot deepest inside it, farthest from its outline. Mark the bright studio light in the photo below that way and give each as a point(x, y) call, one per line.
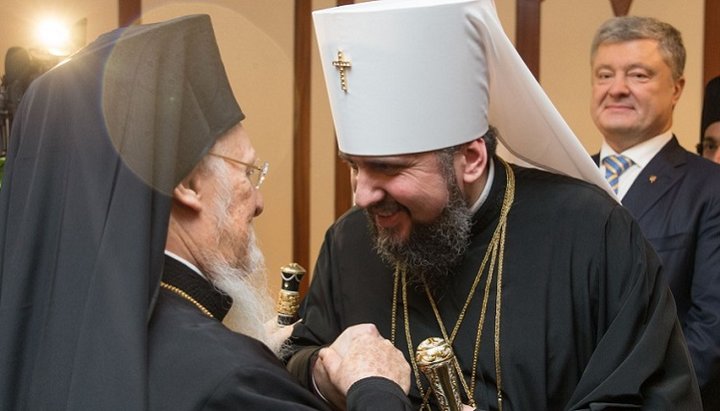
point(54, 36)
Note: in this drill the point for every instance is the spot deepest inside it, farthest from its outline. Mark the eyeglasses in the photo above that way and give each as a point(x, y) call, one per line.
point(255, 174)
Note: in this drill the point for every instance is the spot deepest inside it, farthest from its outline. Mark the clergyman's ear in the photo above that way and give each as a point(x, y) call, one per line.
point(475, 160)
point(187, 196)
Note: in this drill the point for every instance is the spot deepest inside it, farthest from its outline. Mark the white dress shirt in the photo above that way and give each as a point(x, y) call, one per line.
point(640, 154)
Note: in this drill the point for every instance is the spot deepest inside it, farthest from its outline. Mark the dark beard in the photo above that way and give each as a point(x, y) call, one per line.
point(432, 249)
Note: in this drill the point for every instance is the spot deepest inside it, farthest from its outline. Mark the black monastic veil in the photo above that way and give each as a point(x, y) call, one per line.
point(97, 146)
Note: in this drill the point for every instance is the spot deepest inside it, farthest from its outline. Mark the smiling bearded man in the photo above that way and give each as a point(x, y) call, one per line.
point(540, 284)
point(432, 249)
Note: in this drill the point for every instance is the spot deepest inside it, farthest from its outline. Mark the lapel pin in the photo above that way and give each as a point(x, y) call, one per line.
point(652, 178)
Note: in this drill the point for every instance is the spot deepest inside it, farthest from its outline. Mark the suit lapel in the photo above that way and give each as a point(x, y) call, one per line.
point(663, 172)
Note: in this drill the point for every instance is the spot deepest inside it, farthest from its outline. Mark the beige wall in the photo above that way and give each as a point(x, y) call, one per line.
point(256, 42)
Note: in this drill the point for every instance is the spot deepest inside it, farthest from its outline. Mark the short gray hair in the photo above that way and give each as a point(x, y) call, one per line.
point(628, 28)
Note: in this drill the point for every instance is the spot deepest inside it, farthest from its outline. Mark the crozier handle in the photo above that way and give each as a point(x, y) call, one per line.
point(288, 301)
point(434, 357)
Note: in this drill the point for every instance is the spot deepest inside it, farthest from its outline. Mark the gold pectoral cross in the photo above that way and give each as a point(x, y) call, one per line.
point(341, 64)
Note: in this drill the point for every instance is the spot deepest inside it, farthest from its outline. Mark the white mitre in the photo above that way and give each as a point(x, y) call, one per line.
point(410, 76)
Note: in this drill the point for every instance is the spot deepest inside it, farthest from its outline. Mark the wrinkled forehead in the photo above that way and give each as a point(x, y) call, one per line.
point(235, 142)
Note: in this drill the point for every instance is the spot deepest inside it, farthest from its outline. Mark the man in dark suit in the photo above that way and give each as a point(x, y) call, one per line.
point(637, 79)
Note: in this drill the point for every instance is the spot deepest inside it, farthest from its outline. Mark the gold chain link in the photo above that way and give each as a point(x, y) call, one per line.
point(186, 296)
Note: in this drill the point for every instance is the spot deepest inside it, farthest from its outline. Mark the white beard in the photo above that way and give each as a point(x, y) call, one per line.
point(252, 306)
point(242, 277)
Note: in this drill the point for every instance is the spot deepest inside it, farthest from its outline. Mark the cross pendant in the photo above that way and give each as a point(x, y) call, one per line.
point(341, 64)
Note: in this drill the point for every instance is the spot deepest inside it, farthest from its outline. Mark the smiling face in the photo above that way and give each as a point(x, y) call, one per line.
point(417, 211)
point(399, 191)
point(633, 92)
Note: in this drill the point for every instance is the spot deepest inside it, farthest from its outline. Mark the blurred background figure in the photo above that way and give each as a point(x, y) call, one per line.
point(710, 122)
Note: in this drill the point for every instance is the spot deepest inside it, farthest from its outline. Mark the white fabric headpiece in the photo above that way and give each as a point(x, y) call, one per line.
point(409, 76)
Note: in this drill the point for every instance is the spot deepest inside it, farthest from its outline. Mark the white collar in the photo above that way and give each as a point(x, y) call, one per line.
point(486, 190)
point(186, 262)
point(641, 153)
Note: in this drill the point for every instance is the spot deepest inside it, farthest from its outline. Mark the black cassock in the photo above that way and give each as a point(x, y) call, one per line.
point(97, 146)
point(587, 321)
point(196, 363)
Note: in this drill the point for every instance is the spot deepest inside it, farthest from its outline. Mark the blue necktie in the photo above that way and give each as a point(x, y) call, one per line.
point(614, 166)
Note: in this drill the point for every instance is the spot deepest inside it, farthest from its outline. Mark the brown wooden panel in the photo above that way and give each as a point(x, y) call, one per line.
point(301, 137)
point(711, 47)
point(527, 34)
point(128, 12)
point(621, 7)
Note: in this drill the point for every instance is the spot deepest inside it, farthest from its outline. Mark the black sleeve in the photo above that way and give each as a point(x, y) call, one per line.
point(377, 394)
point(641, 360)
point(300, 365)
point(319, 325)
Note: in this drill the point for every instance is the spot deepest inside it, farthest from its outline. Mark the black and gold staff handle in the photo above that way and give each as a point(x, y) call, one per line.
point(288, 302)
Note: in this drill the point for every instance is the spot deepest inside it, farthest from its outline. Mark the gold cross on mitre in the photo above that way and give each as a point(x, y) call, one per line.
point(341, 64)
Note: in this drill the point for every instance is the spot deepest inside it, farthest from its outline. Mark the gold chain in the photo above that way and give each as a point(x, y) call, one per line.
point(394, 307)
point(495, 247)
point(186, 296)
point(408, 339)
point(498, 304)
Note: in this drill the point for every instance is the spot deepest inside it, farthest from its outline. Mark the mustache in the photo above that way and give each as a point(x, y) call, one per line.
point(386, 206)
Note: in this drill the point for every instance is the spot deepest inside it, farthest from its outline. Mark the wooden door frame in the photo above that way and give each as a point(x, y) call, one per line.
point(129, 12)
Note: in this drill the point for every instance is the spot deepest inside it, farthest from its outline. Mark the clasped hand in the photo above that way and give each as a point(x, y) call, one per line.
point(359, 352)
